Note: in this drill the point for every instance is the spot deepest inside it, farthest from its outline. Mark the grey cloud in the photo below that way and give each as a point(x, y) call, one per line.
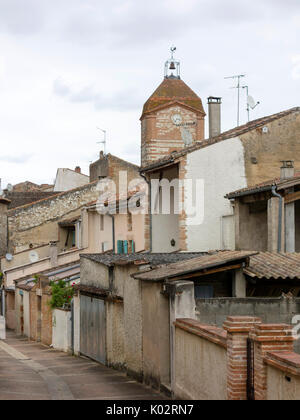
point(15, 159)
point(60, 88)
point(21, 16)
point(139, 22)
point(125, 99)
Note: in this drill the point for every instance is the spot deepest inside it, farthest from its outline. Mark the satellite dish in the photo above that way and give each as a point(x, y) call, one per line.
point(33, 256)
point(251, 102)
point(9, 187)
point(9, 257)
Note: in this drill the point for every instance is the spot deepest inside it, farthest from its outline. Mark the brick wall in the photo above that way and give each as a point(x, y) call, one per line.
point(160, 136)
point(197, 371)
point(46, 334)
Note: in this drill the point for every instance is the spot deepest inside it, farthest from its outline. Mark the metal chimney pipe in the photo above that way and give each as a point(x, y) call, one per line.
point(214, 116)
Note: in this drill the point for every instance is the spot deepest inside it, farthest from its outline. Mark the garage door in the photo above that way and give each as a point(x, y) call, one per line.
point(93, 328)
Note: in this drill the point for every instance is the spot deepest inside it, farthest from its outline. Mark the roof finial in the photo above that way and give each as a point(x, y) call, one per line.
point(172, 64)
point(173, 49)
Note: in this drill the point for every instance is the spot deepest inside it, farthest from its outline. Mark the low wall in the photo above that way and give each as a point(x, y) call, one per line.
point(61, 330)
point(200, 362)
point(283, 377)
point(270, 310)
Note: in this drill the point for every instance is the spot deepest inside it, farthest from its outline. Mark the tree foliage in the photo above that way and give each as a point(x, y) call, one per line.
point(62, 294)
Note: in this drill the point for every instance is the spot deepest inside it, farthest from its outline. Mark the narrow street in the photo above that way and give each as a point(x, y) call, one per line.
point(31, 371)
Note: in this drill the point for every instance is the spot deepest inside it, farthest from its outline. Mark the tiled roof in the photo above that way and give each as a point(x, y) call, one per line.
point(235, 132)
point(204, 262)
point(274, 266)
point(110, 259)
point(267, 185)
point(171, 90)
point(59, 272)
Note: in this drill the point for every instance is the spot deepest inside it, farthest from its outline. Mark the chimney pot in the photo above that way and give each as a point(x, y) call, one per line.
point(214, 115)
point(78, 169)
point(287, 169)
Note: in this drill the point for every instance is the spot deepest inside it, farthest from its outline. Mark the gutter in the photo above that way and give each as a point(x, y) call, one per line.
point(275, 194)
point(249, 192)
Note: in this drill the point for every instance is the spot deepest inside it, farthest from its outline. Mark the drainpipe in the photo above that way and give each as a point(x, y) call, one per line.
point(113, 233)
point(275, 194)
point(150, 208)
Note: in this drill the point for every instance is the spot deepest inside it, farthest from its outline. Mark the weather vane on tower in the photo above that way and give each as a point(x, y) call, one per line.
point(171, 65)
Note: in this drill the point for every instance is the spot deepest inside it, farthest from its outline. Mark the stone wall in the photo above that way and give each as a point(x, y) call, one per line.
point(36, 223)
point(280, 142)
point(3, 228)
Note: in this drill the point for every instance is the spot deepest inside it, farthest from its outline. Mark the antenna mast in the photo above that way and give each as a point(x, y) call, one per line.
point(238, 87)
point(104, 140)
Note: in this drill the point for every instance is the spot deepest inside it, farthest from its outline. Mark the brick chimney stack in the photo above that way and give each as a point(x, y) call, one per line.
point(214, 116)
point(287, 169)
point(78, 169)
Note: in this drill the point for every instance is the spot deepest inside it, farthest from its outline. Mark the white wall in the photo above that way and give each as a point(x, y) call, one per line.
point(61, 330)
point(67, 179)
point(222, 168)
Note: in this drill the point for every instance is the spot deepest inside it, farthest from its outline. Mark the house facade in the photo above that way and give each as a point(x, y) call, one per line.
point(245, 156)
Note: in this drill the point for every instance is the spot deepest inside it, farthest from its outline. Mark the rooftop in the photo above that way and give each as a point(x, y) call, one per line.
point(110, 259)
point(173, 90)
point(69, 271)
point(200, 263)
point(266, 186)
point(235, 132)
point(274, 266)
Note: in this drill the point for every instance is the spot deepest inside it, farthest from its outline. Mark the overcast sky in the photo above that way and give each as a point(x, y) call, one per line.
point(68, 66)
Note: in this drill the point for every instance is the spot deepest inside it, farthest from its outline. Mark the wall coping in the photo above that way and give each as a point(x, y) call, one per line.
point(209, 332)
point(265, 333)
point(288, 362)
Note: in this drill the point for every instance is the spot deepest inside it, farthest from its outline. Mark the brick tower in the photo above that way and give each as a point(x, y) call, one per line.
point(173, 117)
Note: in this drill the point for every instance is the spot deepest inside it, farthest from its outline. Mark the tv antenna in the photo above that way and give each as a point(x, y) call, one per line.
point(251, 103)
point(238, 87)
point(104, 140)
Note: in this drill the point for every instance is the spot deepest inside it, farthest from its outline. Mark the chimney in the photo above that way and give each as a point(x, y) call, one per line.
point(214, 116)
point(53, 253)
point(287, 170)
point(78, 169)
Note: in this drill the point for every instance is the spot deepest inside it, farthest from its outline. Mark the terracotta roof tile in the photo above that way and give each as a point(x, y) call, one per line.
point(274, 266)
point(171, 90)
point(210, 260)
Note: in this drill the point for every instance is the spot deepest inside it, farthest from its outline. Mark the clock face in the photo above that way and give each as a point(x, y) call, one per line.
point(177, 119)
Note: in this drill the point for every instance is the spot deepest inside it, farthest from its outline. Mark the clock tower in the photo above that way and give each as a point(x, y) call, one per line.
point(172, 118)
